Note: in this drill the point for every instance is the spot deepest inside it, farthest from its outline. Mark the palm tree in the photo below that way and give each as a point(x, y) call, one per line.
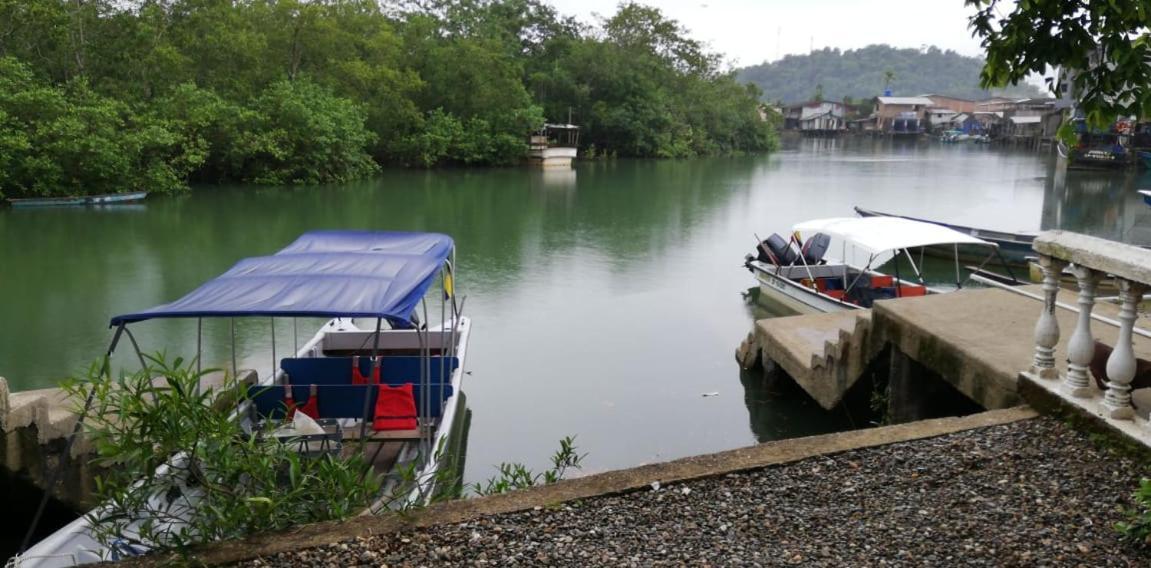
point(888, 77)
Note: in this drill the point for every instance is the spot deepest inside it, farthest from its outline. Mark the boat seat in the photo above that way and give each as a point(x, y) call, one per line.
point(341, 401)
point(909, 291)
point(825, 284)
point(837, 294)
point(338, 370)
point(882, 281)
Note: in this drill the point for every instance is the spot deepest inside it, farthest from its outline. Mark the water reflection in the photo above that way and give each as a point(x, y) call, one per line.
point(606, 300)
point(1100, 203)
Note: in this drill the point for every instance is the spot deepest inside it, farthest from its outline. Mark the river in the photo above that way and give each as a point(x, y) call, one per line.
point(607, 300)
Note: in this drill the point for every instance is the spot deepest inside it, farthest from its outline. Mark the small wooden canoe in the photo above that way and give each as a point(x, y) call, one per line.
point(79, 200)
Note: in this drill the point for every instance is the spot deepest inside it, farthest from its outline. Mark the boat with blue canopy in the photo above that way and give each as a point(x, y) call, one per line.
point(377, 372)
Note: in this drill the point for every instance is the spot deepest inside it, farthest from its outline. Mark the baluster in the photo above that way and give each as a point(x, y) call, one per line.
point(1047, 327)
point(1081, 346)
point(1121, 364)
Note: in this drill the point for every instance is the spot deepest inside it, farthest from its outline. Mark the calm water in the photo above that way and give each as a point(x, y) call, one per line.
point(607, 300)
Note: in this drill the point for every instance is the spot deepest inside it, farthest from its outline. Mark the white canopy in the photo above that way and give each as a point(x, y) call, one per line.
point(881, 234)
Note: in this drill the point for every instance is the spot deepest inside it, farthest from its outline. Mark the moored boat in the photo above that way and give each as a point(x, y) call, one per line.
point(79, 200)
point(1014, 247)
point(798, 273)
point(371, 285)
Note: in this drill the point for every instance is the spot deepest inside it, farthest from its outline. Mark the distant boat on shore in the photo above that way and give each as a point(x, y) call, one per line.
point(79, 200)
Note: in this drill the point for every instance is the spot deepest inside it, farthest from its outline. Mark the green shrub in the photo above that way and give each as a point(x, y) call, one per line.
point(223, 483)
point(301, 133)
point(69, 140)
point(514, 476)
point(1137, 528)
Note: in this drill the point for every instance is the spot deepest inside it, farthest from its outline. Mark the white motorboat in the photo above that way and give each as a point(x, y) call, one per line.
point(831, 264)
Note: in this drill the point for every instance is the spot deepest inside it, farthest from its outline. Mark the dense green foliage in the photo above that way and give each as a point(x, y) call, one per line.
point(112, 95)
point(865, 73)
point(220, 482)
point(1105, 44)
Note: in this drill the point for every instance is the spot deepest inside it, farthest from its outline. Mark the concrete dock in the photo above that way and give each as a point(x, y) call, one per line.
point(977, 340)
point(35, 426)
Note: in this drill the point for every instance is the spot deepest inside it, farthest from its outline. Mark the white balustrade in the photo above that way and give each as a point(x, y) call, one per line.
point(1091, 259)
point(1047, 327)
point(1081, 346)
point(1121, 364)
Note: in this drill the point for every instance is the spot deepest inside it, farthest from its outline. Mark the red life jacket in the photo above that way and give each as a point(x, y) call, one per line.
point(395, 408)
point(310, 408)
point(358, 377)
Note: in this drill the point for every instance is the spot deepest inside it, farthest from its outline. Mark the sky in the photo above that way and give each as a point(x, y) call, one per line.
point(749, 32)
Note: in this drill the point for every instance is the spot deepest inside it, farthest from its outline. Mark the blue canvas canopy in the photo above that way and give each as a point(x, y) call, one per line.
point(427, 244)
point(321, 274)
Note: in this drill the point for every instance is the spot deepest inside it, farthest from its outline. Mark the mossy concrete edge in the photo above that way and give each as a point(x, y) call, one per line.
point(598, 485)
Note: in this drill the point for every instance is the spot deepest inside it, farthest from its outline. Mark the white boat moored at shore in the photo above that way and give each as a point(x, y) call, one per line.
point(830, 264)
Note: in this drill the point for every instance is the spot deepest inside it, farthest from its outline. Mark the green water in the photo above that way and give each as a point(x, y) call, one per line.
point(606, 300)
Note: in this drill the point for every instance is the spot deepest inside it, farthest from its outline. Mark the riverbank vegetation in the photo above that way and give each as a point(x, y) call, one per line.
point(218, 481)
point(107, 95)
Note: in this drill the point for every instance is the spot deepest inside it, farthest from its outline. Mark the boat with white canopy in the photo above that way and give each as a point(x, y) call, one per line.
point(377, 349)
point(831, 264)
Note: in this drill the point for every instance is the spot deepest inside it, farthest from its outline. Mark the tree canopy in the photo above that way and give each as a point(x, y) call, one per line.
point(119, 95)
point(1104, 46)
point(866, 72)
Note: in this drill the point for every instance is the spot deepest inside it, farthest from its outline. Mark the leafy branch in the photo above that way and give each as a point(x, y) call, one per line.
point(515, 476)
point(178, 470)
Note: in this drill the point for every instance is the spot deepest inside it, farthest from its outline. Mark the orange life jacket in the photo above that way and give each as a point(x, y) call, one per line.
point(310, 408)
point(358, 377)
point(395, 408)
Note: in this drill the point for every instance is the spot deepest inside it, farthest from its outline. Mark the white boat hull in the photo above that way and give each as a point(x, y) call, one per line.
point(794, 296)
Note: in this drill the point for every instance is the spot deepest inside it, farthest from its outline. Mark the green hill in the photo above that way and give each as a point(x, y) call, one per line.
point(859, 74)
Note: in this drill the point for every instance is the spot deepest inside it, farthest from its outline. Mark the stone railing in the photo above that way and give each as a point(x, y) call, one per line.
point(1090, 259)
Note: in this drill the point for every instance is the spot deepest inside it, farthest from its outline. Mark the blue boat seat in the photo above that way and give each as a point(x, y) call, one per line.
point(342, 401)
point(393, 370)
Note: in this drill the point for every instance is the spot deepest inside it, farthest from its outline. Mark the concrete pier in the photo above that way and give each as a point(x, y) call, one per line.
point(977, 340)
point(824, 353)
point(35, 426)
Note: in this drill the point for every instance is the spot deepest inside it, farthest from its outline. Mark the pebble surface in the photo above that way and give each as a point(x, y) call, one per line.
point(1030, 493)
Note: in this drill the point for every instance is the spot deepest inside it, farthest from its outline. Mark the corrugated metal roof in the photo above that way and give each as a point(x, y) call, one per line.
point(905, 101)
point(1026, 119)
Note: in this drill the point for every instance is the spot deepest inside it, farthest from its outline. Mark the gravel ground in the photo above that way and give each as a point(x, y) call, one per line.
point(1030, 493)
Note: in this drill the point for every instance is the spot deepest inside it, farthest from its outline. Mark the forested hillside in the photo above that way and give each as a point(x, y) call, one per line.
point(119, 95)
point(863, 73)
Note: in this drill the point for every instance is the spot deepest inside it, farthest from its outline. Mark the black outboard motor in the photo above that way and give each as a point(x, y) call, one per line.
point(815, 248)
point(777, 251)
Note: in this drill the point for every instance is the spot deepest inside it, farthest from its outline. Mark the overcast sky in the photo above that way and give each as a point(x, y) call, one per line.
point(748, 32)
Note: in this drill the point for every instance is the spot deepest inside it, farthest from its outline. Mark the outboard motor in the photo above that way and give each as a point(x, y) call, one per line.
point(815, 248)
point(777, 251)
